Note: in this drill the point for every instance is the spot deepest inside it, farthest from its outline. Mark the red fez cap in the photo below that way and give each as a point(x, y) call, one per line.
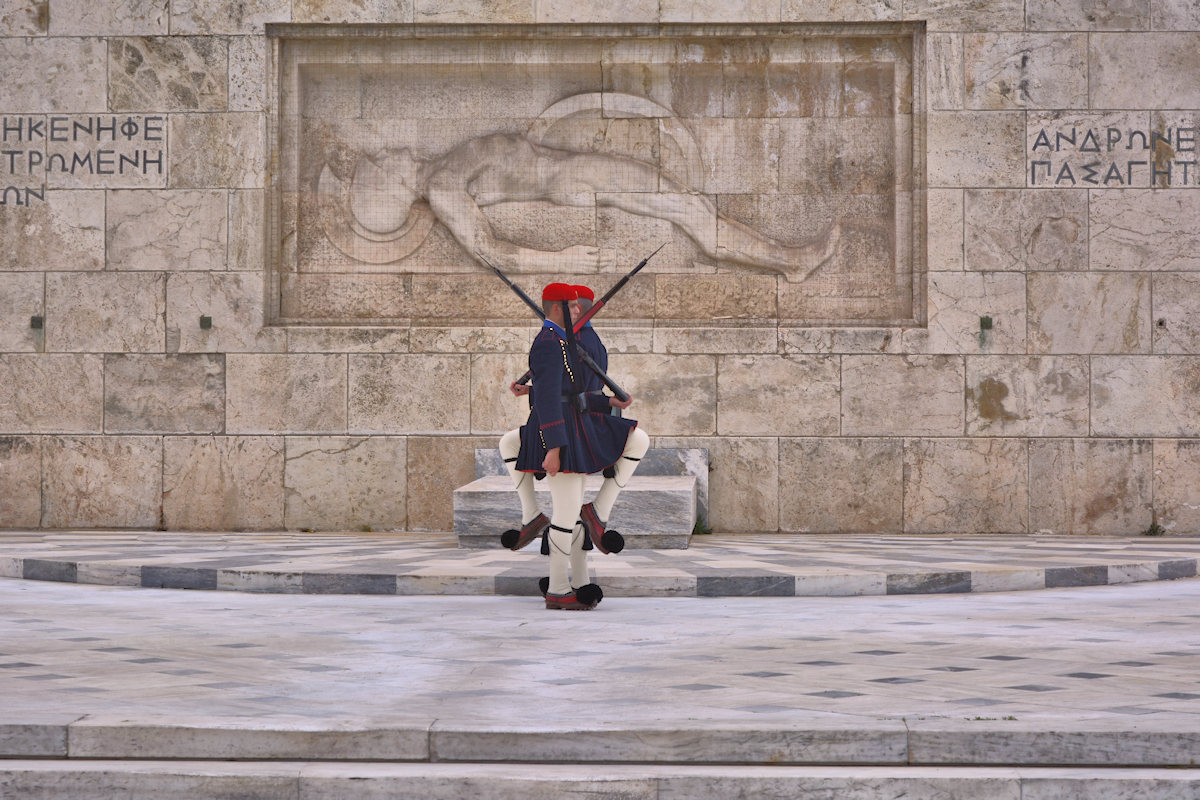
point(585, 293)
point(559, 291)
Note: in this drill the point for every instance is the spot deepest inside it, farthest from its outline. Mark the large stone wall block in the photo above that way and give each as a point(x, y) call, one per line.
point(63, 234)
point(437, 465)
point(105, 312)
point(1072, 149)
point(164, 393)
point(615, 11)
point(223, 482)
point(1176, 476)
point(775, 395)
point(410, 393)
point(471, 339)
point(367, 11)
point(494, 409)
point(23, 294)
point(1088, 15)
point(719, 11)
point(1025, 70)
point(726, 340)
point(944, 80)
point(1145, 229)
point(743, 480)
point(885, 395)
point(246, 225)
point(672, 395)
point(173, 230)
point(1146, 70)
point(944, 234)
point(841, 485)
point(373, 299)
point(56, 74)
point(1176, 313)
point(817, 341)
point(102, 481)
point(51, 393)
point(849, 10)
point(1026, 229)
point(345, 483)
point(218, 16)
point(1089, 313)
point(1087, 487)
point(20, 481)
point(976, 313)
point(976, 148)
point(294, 393)
point(1175, 15)
point(718, 297)
point(1146, 396)
point(1027, 396)
point(108, 17)
point(233, 302)
point(217, 150)
point(966, 486)
point(465, 298)
point(25, 18)
point(175, 73)
point(348, 340)
point(508, 11)
point(968, 15)
point(247, 65)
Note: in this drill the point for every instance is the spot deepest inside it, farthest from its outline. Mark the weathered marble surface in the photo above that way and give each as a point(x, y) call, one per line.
point(882, 394)
point(1088, 15)
point(167, 230)
point(285, 393)
point(354, 11)
point(856, 10)
point(23, 294)
point(1144, 230)
point(411, 394)
point(24, 17)
point(223, 482)
point(1028, 396)
point(105, 312)
point(616, 11)
point(1145, 396)
point(65, 233)
point(1026, 230)
point(976, 148)
point(47, 393)
point(1152, 70)
point(1089, 313)
point(955, 485)
point(218, 17)
point(719, 11)
point(944, 233)
point(840, 340)
point(20, 481)
point(673, 395)
point(841, 485)
point(494, 409)
point(108, 17)
point(715, 340)
point(743, 480)
point(1176, 476)
point(176, 73)
point(777, 395)
point(713, 296)
point(1025, 70)
point(944, 80)
point(101, 481)
point(57, 74)
point(1176, 313)
point(1078, 486)
point(247, 64)
point(1174, 15)
point(504, 11)
point(345, 483)
point(346, 340)
point(164, 393)
point(217, 150)
point(436, 465)
point(960, 304)
point(234, 303)
point(968, 15)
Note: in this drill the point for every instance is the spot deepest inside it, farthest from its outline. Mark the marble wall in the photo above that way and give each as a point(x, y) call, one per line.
point(172, 354)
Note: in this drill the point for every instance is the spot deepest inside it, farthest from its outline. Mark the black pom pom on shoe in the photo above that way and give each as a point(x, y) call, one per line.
point(509, 538)
point(613, 542)
point(589, 594)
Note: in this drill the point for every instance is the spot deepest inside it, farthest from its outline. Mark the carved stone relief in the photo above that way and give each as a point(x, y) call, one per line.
point(787, 151)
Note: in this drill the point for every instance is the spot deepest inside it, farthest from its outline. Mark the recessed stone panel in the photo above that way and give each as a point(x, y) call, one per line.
point(958, 485)
point(841, 485)
point(1026, 230)
point(345, 483)
point(164, 393)
point(101, 481)
point(778, 395)
point(1089, 313)
point(223, 482)
point(105, 312)
point(1027, 396)
point(176, 73)
point(295, 393)
point(1146, 396)
point(410, 394)
point(171, 230)
point(1090, 487)
point(902, 395)
point(20, 482)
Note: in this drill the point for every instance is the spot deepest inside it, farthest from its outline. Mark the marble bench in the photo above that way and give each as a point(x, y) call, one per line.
point(658, 509)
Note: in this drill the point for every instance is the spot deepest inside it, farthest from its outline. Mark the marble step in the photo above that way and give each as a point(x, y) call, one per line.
point(284, 780)
point(653, 511)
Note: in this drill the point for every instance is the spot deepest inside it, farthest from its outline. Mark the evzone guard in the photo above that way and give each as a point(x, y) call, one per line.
point(570, 434)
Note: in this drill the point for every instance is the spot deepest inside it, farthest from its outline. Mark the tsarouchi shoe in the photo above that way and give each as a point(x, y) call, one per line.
point(567, 602)
point(604, 541)
point(515, 540)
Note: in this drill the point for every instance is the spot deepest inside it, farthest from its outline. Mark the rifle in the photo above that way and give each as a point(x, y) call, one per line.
point(580, 353)
point(599, 304)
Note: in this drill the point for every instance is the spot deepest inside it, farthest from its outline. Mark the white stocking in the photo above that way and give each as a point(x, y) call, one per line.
point(510, 446)
point(566, 491)
point(579, 559)
point(635, 447)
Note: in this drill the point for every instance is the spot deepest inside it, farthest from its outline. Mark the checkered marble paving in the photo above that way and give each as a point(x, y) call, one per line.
point(714, 566)
point(1101, 655)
